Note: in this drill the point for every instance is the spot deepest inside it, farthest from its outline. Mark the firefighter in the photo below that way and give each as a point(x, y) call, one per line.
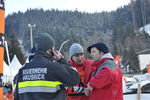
point(46, 75)
point(78, 61)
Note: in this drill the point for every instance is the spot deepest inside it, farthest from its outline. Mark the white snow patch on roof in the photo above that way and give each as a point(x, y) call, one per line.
point(146, 28)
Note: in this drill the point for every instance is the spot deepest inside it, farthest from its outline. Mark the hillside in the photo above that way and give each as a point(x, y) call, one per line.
point(114, 28)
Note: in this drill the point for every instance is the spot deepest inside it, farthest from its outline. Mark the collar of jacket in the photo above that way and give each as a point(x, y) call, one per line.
point(79, 67)
point(43, 54)
point(107, 56)
point(97, 64)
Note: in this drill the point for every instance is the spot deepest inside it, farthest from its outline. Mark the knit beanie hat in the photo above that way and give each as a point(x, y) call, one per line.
point(100, 46)
point(44, 41)
point(75, 49)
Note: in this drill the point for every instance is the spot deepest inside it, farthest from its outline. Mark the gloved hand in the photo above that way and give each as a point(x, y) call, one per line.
point(86, 90)
point(78, 89)
point(89, 87)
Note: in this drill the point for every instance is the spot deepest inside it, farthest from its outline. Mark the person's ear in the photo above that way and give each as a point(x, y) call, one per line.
point(101, 53)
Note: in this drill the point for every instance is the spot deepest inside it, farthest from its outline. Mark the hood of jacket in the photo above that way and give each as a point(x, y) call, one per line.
point(107, 56)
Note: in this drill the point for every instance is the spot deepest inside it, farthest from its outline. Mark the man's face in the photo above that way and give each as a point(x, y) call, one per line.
point(96, 54)
point(78, 58)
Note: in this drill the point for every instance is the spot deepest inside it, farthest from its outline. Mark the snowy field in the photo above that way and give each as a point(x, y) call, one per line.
point(145, 96)
point(131, 84)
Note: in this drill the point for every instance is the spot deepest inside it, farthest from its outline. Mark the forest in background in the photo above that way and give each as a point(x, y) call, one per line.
point(118, 29)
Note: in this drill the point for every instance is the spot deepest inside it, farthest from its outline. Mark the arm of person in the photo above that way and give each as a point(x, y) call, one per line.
point(65, 73)
point(102, 79)
point(16, 95)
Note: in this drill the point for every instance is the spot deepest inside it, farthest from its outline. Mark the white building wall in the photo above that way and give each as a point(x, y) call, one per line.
point(144, 60)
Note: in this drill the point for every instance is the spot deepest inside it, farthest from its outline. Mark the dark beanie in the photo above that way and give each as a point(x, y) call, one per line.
point(100, 46)
point(44, 41)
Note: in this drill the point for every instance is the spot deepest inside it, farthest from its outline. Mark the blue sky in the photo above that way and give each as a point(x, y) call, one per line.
point(82, 5)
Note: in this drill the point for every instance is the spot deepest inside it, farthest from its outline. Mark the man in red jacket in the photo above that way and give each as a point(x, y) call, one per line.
point(106, 79)
point(78, 61)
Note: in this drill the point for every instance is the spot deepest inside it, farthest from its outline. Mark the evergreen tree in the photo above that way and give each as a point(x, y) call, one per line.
point(14, 48)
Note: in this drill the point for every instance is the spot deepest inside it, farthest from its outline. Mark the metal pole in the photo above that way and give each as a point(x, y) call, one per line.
point(8, 57)
point(7, 52)
point(31, 26)
point(31, 36)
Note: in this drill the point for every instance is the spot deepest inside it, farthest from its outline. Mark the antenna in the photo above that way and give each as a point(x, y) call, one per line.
point(62, 45)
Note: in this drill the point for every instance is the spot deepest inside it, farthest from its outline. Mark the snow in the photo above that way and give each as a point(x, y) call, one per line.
point(142, 77)
point(135, 80)
point(134, 96)
point(129, 79)
point(142, 83)
point(146, 28)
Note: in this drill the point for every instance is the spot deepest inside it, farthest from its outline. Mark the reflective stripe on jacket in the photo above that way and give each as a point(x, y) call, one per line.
point(39, 86)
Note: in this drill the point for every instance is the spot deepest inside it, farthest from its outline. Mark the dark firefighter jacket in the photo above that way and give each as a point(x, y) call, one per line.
point(43, 79)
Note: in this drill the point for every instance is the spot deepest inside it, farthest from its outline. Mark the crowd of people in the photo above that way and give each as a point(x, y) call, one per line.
point(48, 76)
point(7, 91)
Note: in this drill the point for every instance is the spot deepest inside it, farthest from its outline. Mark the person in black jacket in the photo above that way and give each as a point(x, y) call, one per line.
point(46, 75)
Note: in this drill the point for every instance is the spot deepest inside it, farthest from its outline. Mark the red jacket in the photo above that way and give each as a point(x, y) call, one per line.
point(83, 69)
point(107, 83)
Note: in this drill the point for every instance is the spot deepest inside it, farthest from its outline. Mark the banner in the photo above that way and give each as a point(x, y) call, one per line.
point(2, 28)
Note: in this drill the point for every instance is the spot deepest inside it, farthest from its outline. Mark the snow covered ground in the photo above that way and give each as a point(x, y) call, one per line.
point(146, 28)
point(143, 96)
point(130, 92)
